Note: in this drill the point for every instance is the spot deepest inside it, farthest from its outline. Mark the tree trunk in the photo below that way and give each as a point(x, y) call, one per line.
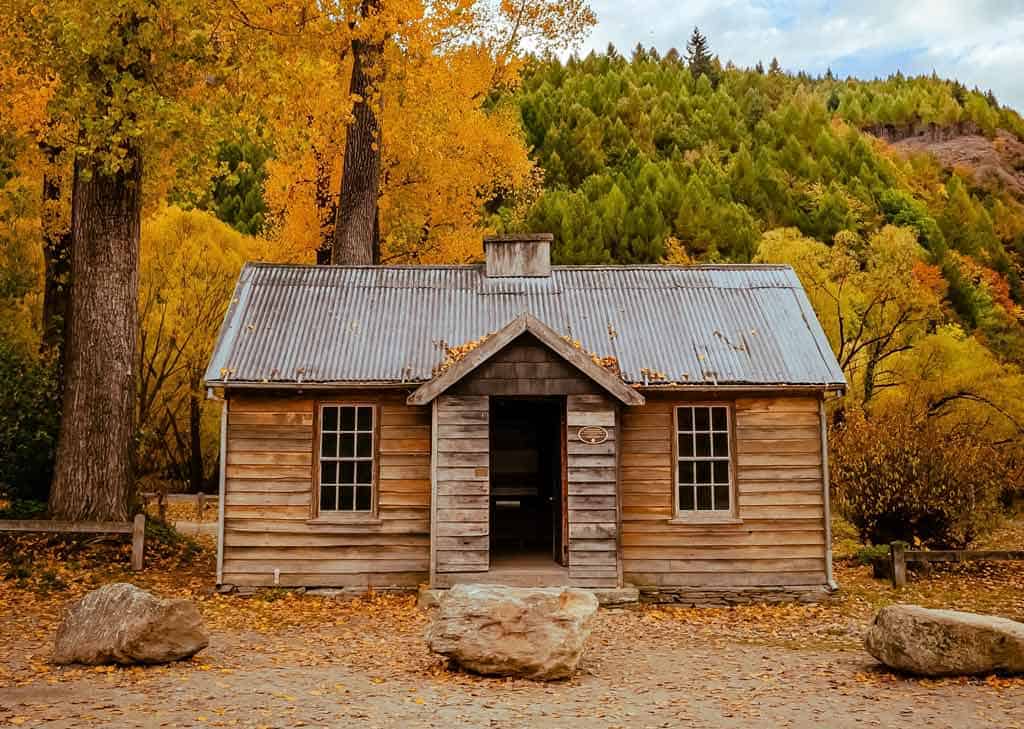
point(326, 207)
point(195, 450)
point(93, 474)
point(57, 245)
point(870, 368)
point(360, 176)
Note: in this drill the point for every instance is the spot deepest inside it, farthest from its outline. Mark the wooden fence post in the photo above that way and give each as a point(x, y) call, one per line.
point(138, 541)
point(897, 551)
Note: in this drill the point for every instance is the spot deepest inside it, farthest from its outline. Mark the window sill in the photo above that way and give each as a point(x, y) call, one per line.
point(368, 520)
point(704, 520)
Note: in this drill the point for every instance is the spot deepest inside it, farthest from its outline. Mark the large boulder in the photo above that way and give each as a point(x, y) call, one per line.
point(119, 623)
point(927, 642)
point(535, 633)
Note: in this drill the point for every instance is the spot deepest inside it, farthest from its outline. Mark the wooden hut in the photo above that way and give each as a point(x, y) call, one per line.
point(522, 423)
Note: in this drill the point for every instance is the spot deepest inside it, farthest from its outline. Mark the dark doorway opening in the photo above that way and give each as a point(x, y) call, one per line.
point(526, 479)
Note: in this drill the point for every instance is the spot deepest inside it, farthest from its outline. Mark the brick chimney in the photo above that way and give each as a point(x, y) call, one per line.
point(518, 254)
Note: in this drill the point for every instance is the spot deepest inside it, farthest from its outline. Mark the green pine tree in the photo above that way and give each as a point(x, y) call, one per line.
point(698, 56)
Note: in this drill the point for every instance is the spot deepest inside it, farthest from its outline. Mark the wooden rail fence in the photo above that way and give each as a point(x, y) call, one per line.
point(201, 500)
point(137, 528)
point(900, 556)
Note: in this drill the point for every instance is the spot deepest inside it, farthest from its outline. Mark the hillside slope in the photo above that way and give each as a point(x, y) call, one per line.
point(643, 162)
point(995, 164)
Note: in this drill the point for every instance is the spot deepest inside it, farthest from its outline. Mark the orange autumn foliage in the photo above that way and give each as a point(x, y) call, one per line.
point(449, 143)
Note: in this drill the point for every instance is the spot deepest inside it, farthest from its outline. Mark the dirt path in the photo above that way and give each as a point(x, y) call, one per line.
point(369, 668)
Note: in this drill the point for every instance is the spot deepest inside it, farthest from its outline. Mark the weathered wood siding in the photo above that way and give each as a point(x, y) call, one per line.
point(593, 500)
point(269, 496)
point(780, 537)
point(462, 484)
point(525, 367)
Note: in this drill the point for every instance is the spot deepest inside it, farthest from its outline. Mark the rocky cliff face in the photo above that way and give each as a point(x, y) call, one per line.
point(993, 163)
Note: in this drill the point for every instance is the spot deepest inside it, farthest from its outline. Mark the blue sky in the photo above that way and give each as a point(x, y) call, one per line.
point(980, 42)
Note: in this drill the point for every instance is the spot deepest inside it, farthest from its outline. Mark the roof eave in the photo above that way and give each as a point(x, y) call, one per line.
point(415, 384)
point(746, 387)
point(311, 385)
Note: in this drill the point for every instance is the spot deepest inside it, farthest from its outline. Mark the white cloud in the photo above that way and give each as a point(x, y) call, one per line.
point(980, 43)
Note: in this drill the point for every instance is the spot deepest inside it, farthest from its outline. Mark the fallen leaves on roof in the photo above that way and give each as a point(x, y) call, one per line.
point(453, 354)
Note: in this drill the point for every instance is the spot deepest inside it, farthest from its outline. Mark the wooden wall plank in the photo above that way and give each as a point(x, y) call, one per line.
point(780, 540)
point(269, 491)
point(462, 529)
point(593, 494)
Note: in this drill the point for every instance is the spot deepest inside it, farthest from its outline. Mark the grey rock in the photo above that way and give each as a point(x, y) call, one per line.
point(119, 623)
point(617, 596)
point(536, 633)
point(929, 642)
point(429, 597)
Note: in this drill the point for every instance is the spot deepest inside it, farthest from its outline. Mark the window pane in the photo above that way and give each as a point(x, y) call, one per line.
point(703, 471)
point(721, 470)
point(703, 498)
point(718, 419)
point(330, 418)
point(685, 418)
point(721, 444)
point(703, 444)
point(346, 453)
point(721, 498)
point(685, 445)
point(686, 472)
point(701, 419)
point(686, 498)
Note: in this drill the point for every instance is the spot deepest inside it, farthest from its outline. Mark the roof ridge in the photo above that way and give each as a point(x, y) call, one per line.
point(586, 267)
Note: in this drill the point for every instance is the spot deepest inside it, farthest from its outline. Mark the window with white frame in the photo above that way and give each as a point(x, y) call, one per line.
point(703, 478)
point(346, 458)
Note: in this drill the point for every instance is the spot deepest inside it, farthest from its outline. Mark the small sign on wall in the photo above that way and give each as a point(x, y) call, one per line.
point(592, 434)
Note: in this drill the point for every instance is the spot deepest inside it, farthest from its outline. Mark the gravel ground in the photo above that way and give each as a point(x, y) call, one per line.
point(370, 668)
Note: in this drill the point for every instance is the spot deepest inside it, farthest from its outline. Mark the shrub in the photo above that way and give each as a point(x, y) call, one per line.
point(29, 419)
point(869, 555)
point(23, 509)
point(915, 479)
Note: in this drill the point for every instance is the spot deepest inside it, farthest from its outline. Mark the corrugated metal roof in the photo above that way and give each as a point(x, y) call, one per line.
point(748, 325)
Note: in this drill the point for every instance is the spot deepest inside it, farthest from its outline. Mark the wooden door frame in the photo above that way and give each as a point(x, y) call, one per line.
point(563, 536)
point(562, 545)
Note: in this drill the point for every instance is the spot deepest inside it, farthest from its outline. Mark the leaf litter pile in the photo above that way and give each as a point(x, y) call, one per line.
point(283, 658)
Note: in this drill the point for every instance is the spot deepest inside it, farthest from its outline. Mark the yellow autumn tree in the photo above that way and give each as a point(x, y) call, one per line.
point(447, 144)
point(875, 298)
point(135, 84)
point(188, 265)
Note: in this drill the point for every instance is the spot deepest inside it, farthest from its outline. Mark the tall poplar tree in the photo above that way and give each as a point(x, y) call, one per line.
point(502, 29)
point(357, 227)
point(126, 75)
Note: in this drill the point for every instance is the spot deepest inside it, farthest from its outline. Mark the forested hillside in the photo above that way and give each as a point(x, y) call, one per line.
point(636, 151)
point(898, 202)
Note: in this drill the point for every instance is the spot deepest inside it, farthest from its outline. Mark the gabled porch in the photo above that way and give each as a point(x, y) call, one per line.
point(524, 463)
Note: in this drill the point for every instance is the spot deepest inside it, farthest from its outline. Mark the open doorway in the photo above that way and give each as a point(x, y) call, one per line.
point(526, 480)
